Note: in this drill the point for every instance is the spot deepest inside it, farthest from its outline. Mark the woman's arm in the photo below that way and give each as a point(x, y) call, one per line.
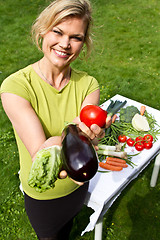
point(92, 98)
point(28, 126)
point(26, 123)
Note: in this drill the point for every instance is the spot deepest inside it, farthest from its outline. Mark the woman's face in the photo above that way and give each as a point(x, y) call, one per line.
point(63, 43)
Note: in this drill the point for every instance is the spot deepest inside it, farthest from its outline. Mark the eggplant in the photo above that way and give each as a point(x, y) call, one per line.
point(79, 157)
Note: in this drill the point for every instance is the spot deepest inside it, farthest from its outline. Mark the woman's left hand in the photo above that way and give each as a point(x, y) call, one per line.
point(94, 132)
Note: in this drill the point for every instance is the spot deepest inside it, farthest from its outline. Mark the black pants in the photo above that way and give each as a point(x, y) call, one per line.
point(53, 218)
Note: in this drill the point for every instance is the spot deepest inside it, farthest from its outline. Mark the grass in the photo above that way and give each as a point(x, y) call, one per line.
point(125, 60)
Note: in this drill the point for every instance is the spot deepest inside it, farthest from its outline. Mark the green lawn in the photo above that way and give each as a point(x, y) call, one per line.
point(125, 60)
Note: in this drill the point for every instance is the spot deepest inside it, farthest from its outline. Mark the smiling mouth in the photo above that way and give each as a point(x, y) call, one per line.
point(61, 54)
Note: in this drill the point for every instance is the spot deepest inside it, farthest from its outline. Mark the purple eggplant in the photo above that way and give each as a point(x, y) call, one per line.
point(78, 154)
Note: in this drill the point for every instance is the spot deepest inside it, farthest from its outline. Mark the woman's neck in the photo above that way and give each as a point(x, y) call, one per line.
point(58, 78)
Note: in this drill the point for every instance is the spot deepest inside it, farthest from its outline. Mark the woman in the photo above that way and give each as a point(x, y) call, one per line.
point(40, 98)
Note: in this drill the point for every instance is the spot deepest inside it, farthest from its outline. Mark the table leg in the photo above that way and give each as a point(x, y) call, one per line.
point(155, 171)
point(98, 229)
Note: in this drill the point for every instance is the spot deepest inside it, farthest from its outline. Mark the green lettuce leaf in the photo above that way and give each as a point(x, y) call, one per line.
point(45, 169)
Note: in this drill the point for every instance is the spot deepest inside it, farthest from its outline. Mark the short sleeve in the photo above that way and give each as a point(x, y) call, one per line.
point(16, 84)
point(93, 86)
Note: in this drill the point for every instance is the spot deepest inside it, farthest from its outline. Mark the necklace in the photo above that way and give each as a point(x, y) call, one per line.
point(47, 79)
point(43, 75)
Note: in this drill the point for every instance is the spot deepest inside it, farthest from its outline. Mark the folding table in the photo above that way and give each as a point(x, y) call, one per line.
point(155, 172)
point(104, 188)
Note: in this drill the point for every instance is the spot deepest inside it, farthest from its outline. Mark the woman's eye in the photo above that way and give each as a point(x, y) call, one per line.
point(57, 32)
point(78, 38)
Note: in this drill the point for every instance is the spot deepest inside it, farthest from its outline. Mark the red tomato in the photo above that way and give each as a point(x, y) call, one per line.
point(130, 142)
point(148, 144)
point(92, 114)
point(139, 146)
point(122, 138)
point(139, 139)
point(148, 137)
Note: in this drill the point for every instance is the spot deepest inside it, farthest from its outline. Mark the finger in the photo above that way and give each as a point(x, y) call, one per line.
point(95, 142)
point(63, 174)
point(76, 120)
point(95, 129)
point(102, 134)
point(96, 148)
point(78, 183)
point(86, 130)
point(108, 121)
point(99, 132)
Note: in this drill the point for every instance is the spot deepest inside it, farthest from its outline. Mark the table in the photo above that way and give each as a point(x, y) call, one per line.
point(105, 188)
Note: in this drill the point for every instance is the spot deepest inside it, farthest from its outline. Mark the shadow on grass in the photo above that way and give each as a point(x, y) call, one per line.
point(144, 210)
point(144, 213)
point(80, 223)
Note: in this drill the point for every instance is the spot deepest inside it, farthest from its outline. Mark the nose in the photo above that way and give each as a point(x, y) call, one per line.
point(65, 42)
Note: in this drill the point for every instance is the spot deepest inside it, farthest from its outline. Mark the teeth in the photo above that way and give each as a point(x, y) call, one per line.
point(60, 53)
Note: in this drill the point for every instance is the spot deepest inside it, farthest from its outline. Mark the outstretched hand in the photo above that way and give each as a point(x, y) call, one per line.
point(94, 132)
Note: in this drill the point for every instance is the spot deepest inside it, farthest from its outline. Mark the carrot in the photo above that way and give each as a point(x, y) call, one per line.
point(114, 118)
point(123, 165)
point(142, 110)
point(115, 159)
point(109, 167)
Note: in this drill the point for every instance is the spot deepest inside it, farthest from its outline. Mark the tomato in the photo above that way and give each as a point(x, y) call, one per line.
point(130, 142)
point(148, 144)
point(92, 114)
point(139, 146)
point(148, 137)
point(122, 138)
point(139, 139)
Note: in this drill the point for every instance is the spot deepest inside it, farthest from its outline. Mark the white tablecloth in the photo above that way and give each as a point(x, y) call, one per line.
point(104, 188)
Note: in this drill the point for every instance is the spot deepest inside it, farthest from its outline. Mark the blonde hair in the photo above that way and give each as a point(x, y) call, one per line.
point(58, 10)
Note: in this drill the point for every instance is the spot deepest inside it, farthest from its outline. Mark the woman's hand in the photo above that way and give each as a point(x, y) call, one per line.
point(94, 132)
point(63, 174)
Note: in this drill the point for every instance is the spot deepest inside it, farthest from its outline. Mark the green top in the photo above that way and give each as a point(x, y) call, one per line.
point(54, 108)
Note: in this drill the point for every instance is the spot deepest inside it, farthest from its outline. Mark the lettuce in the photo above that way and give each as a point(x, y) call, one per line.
point(45, 169)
